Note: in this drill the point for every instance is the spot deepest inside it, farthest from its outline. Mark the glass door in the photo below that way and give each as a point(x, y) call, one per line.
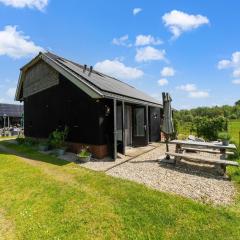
point(139, 126)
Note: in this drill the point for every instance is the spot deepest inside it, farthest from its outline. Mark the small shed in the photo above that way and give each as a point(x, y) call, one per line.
point(100, 111)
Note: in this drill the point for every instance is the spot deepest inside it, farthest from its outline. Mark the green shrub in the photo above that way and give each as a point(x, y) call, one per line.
point(224, 136)
point(208, 128)
point(31, 141)
point(57, 138)
point(182, 136)
point(20, 140)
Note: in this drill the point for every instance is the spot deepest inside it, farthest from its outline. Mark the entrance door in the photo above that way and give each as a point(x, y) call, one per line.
point(128, 125)
point(139, 126)
point(154, 126)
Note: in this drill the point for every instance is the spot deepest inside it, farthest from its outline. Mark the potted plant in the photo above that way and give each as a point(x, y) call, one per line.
point(84, 156)
point(224, 137)
point(57, 141)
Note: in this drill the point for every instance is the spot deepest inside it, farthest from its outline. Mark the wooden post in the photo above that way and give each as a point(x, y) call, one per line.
point(147, 125)
point(123, 127)
point(114, 129)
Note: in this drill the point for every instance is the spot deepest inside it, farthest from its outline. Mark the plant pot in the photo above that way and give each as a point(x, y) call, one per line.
point(43, 148)
point(60, 151)
point(84, 159)
point(225, 142)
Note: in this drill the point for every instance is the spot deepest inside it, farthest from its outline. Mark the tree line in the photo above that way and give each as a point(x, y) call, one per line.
point(208, 122)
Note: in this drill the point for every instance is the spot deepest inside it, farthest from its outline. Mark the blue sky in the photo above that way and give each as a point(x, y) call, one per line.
point(188, 48)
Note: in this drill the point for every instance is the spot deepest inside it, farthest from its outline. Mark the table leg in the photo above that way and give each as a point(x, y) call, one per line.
point(178, 150)
point(223, 155)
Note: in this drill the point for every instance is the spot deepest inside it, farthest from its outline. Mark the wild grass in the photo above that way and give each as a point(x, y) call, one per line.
point(234, 130)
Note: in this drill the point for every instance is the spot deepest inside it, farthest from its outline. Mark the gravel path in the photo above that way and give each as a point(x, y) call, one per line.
point(194, 181)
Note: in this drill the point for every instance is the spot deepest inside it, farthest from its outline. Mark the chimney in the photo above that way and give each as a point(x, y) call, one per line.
point(84, 68)
point(90, 70)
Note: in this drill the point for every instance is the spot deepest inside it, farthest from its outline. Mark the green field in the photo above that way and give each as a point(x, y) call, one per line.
point(233, 129)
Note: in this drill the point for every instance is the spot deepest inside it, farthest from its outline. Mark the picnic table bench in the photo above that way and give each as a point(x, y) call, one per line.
point(191, 149)
point(219, 163)
point(215, 148)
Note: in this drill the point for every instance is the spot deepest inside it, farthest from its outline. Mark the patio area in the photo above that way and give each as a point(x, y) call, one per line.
point(107, 163)
point(200, 182)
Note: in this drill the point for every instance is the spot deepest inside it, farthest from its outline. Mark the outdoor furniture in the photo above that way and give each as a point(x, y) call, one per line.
point(191, 149)
point(208, 147)
point(220, 164)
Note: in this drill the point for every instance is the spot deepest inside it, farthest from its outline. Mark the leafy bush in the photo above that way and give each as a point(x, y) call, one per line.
point(57, 138)
point(20, 140)
point(182, 136)
point(31, 141)
point(208, 128)
point(224, 136)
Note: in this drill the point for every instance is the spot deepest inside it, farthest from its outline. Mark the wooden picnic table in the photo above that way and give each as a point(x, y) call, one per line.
point(188, 145)
point(211, 145)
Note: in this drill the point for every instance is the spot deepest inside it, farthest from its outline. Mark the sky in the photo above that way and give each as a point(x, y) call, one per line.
point(190, 49)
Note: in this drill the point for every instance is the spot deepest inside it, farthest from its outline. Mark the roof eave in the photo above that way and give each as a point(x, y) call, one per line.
point(131, 100)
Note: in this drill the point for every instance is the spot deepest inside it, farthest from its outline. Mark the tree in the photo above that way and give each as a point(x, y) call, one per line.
point(237, 103)
point(208, 128)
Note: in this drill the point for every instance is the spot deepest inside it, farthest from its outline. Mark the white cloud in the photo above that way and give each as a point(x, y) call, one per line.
point(193, 92)
point(199, 94)
point(162, 82)
point(149, 54)
point(136, 11)
point(188, 87)
point(15, 44)
point(233, 63)
point(122, 41)
point(118, 69)
point(179, 22)
point(11, 92)
point(224, 64)
point(236, 81)
point(167, 72)
point(38, 4)
point(142, 40)
point(236, 73)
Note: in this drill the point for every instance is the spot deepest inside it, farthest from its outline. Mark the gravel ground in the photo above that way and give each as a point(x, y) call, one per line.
point(199, 182)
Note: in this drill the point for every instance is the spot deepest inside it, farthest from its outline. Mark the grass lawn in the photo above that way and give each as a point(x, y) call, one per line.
point(47, 198)
point(234, 130)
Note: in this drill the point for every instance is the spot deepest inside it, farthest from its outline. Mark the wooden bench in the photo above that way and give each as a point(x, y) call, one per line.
point(205, 150)
point(199, 159)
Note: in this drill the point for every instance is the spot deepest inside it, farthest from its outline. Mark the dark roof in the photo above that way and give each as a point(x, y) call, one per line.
point(11, 110)
point(104, 83)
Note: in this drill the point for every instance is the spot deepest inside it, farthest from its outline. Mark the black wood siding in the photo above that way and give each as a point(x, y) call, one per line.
point(65, 104)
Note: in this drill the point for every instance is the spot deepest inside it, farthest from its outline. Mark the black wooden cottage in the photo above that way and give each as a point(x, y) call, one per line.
point(100, 111)
point(10, 114)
